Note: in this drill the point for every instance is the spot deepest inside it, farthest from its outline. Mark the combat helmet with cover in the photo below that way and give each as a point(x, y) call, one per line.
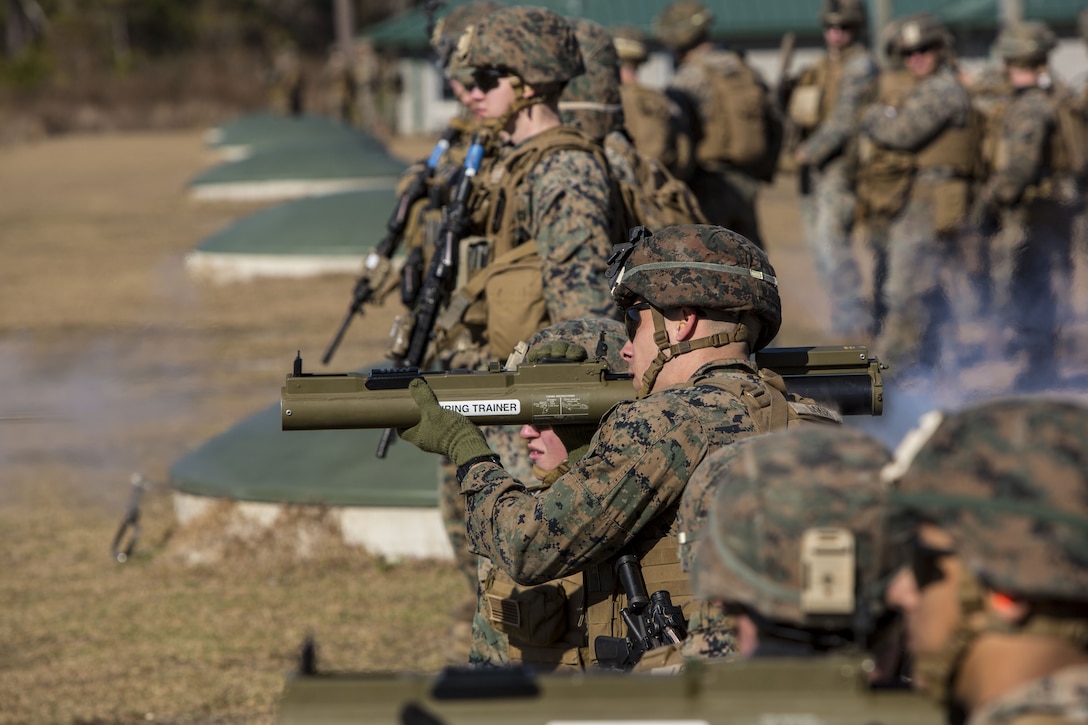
point(591, 102)
point(448, 29)
point(535, 44)
point(920, 32)
point(702, 266)
point(683, 25)
point(1026, 43)
point(1006, 479)
point(630, 44)
point(799, 533)
point(848, 13)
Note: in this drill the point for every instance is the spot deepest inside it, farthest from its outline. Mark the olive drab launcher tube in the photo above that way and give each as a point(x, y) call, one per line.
point(843, 378)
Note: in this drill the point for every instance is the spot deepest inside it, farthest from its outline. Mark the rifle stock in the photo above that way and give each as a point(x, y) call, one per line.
point(845, 378)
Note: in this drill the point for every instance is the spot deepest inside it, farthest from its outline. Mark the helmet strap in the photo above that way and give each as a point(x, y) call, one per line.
point(666, 350)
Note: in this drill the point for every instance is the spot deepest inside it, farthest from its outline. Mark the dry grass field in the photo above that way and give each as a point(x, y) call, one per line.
point(113, 360)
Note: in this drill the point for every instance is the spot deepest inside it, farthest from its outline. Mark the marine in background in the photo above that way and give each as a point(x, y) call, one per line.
point(995, 599)
point(542, 214)
point(1037, 155)
point(931, 139)
point(798, 546)
point(882, 178)
point(728, 105)
point(824, 104)
point(655, 122)
point(591, 103)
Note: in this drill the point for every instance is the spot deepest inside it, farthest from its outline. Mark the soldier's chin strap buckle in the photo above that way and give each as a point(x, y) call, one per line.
point(620, 253)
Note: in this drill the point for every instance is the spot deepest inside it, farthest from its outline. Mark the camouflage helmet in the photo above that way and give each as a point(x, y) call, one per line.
point(683, 24)
point(1028, 42)
point(1008, 479)
point(630, 44)
point(849, 13)
point(535, 44)
point(589, 334)
point(920, 31)
point(591, 102)
point(698, 265)
point(787, 502)
point(448, 29)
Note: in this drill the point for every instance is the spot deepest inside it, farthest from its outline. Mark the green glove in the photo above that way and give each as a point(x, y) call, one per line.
point(443, 431)
point(557, 351)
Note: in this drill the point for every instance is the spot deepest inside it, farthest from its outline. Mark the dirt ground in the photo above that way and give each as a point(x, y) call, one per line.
point(114, 361)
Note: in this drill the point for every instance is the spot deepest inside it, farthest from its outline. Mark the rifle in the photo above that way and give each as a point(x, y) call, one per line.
point(436, 288)
point(652, 621)
point(843, 377)
point(376, 264)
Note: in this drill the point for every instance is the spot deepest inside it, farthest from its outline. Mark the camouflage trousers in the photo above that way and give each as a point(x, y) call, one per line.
point(728, 199)
point(1032, 259)
point(915, 288)
point(827, 215)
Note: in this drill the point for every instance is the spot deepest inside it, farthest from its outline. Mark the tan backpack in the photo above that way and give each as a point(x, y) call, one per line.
point(746, 130)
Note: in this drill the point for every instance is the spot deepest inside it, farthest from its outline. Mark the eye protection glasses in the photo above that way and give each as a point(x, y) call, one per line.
point(487, 79)
point(632, 318)
point(925, 563)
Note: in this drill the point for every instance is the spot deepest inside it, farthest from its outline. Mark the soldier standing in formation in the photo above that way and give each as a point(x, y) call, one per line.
point(798, 547)
point(931, 135)
point(654, 121)
point(726, 103)
point(825, 103)
point(652, 197)
point(996, 598)
point(1032, 192)
point(698, 301)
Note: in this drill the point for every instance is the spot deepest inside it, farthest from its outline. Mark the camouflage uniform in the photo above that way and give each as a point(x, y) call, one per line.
point(727, 191)
point(1059, 698)
point(1036, 202)
point(759, 498)
point(591, 103)
point(625, 490)
point(549, 630)
point(654, 121)
point(846, 81)
point(1006, 479)
point(932, 126)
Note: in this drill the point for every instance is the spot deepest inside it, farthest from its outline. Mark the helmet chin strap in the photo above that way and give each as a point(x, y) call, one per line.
point(666, 350)
point(521, 102)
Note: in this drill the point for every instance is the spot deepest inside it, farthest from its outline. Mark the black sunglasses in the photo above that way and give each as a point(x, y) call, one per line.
point(920, 49)
point(925, 563)
point(632, 318)
point(487, 79)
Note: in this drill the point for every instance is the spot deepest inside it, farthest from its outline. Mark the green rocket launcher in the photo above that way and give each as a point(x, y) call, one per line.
point(844, 378)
